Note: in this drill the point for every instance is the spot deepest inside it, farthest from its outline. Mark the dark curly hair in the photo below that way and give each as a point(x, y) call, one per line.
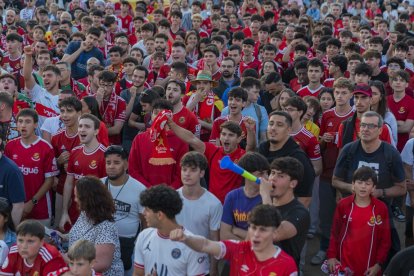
point(94, 199)
point(162, 198)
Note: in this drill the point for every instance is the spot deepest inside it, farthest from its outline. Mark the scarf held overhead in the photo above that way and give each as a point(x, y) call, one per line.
point(161, 153)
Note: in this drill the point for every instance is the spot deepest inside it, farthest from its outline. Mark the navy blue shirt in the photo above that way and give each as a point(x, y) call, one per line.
point(11, 181)
point(79, 65)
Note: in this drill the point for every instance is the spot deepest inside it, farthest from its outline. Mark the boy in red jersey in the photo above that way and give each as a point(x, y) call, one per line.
point(63, 142)
point(257, 255)
point(36, 160)
point(315, 73)
point(296, 108)
point(86, 159)
point(31, 255)
point(361, 221)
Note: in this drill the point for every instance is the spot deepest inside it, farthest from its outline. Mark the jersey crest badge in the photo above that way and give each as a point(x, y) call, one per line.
point(93, 165)
point(176, 253)
point(36, 156)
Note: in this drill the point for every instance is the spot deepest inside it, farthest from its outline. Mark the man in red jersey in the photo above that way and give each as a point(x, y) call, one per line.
point(142, 150)
point(32, 255)
point(111, 106)
point(402, 106)
point(125, 16)
point(11, 62)
point(296, 108)
point(315, 73)
point(181, 115)
point(36, 160)
point(258, 255)
point(331, 120)
point(63, 142)
point(220, 181)
point(86, 159)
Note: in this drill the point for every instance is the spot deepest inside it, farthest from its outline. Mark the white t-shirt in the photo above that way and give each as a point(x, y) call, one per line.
point(408, 158)
point(52, 125)
point(127, 206)
point(167, 257)
point(40, 95)
point(201, 215)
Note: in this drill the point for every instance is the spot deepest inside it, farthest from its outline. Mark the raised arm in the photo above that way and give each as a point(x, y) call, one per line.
point(29, 80)
point(197, 243)
point(187, 136)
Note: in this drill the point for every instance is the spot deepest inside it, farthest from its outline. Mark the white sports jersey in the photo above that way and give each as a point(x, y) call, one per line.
point(166, 257)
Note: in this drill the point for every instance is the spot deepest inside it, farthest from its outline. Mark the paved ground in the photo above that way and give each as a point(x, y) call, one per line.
point(313, 247)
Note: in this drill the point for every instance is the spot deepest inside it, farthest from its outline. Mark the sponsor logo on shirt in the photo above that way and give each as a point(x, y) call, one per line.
point(181, 120)
point(93, 165)
point(36, 156)
point(375, 220)
point(244, 268)
point(76, 163)
point(15, 156)
point(401, 110)
point(27, 170)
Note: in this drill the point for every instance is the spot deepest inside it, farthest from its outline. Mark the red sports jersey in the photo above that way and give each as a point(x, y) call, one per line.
point(37, 162)
point(215, 131)
point(329, 82)
point(14, 64)
point(305, 91)
point(113, 110)
point(126, 21)
point(47, 262)
point(308, 143)
point(295, 85)
point(403, 110)
point(186, 119)
point(243, 261)
point(62, 142)
point(222, 181)
point(254, 64)
point(82, 164)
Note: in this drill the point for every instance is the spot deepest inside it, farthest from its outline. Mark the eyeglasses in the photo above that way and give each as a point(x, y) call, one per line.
point(289, 109)
point(369, 126)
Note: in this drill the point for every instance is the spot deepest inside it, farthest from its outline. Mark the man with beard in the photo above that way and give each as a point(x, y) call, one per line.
point(227, 80)
point(125, 191)
point(181, 115)
point(60, 48)
point(161, 45)
point(132, 99)
point(121, 40)
point(281, 144)
point(68, 83)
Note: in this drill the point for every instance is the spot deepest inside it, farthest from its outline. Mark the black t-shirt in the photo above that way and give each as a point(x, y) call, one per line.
point(129, 133)
point(382, 77)
point(402, 263)
point(385, 161)
point(292, 149)
point(295, 213)
point(265, 98)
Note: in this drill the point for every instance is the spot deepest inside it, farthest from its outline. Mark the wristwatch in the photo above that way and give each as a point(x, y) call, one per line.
point(35, 201)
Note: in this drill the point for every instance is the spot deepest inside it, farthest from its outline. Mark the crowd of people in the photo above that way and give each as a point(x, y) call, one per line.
point(114, 117)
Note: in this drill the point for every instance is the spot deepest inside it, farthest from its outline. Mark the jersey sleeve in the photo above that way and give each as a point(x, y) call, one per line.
point(9, 266)
point(139, 256)
point(215, 131)
point(54, 265)
point(314, 150)
point(215, 216)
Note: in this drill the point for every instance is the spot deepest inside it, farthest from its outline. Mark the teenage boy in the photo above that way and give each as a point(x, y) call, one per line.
point(202, 211)
point(237, 101)
point(86, 159)
point(11, 62)
point(220, 181)
point(248, 60)
point(285, 174)
point(373, 59)
point(297, 108)
point(63, 142)
point(155, 253)
point(353, 61)
point(315, 73)
point(349, 130)
point(369, 230)
point(363, 73)
point(337, 68)
point(402, 106)
point(239, 202)
point(68, 83)
point(252, 109)
point(331, 120)
point(32, 255)
point(37, 162)
point(78, 53)
point(258, 254)
point(129, 64)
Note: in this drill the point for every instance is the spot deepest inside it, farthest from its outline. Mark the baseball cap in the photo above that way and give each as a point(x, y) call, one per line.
point(363, 89)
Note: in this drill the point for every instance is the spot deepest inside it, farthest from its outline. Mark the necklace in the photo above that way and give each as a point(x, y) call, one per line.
point(122, 187)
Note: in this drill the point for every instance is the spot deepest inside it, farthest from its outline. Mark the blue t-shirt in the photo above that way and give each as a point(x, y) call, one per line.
point(237, 206)
point(79, 65)
point(11, 181)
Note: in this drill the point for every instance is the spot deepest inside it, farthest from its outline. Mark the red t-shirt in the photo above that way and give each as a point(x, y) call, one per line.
point(330, 123)
point(215, 131)
point(37, 162)
point(329, 82)
point(305, 91)
point(125, 21)
point(254, 64)
point(222, 181)
point(62, 142)
point(243, 261)
point(47, 261)
point(295, 85)
point(403, 110)
point(186, 119)
point(81, 164)
point(308, 143)
point(111, 111)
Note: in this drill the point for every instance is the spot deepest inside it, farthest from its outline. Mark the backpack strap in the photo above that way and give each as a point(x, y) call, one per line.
point(258, 112)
